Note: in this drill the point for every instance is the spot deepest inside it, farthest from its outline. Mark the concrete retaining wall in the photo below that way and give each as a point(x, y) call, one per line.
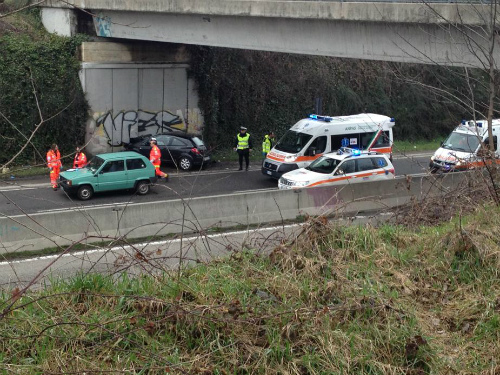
point(38, 231)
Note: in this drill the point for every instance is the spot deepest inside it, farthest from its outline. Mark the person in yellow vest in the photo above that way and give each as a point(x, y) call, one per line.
point(243, 145)
point(267, 144)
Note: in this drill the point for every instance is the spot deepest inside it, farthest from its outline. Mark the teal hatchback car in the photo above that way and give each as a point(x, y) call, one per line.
point(106, 172)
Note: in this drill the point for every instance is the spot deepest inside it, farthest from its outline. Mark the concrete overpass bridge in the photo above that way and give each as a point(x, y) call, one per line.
point(456, 34)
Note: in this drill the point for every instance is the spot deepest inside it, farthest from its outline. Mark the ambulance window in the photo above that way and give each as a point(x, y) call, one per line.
point(352, 140)
point(293, 142)
point(323, 164)
point(365, 165)
point(319, 144)
point(383, 140)
point(366, 139)
point(346, 167)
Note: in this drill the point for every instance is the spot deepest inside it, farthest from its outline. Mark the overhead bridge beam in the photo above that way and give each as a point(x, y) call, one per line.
point(442, 33)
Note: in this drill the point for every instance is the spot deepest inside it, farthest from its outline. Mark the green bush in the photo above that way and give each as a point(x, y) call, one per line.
point(40, 93)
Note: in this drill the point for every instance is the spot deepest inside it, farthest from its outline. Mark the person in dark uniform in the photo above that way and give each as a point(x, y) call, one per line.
point(243, 145)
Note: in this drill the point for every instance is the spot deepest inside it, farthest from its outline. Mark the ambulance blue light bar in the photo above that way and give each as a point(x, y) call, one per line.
point(319, 117)
point(349, 150)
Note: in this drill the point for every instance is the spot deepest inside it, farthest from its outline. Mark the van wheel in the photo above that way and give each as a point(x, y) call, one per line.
point(85, 192)
point(142, 188)
point(185, 163)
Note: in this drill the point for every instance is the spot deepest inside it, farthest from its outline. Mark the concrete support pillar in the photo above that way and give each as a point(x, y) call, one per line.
point(61, 21)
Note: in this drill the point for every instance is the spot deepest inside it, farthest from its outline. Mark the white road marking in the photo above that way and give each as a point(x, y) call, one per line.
point(155, 243)
point(87, 207)
point(10, 187)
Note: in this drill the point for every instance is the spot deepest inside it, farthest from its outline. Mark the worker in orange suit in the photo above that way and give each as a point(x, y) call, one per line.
point(54, 164)
point(80, 160)
point(155, 158)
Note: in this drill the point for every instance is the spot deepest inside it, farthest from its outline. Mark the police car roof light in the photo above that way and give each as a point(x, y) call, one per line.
point(464, 122)
point(392, 119)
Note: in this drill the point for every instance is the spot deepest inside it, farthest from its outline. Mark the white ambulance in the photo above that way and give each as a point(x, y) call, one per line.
point(312, 137)
point(346, 166)
point(461, 150)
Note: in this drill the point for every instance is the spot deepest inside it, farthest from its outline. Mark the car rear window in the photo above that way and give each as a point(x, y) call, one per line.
point(135, 164)
point(197, 141)
point(176, 142)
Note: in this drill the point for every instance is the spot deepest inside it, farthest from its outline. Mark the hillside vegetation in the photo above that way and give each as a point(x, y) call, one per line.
point(407, 298)
point(40, 91)
point(334, 300)
point(41, 97)
point(265, 90)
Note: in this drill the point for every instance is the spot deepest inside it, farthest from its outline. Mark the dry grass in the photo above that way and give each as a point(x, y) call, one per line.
point(358, 300)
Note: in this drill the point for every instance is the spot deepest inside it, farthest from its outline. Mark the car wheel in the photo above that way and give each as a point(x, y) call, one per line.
point(142, 187)
point(185, 163)
point(85, 192)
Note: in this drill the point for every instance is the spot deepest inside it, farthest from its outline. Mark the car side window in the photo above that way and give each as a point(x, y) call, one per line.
point(178, 142)
point(162, 141)
point(379, 162)
point(365, 164)
point(346, 167)
point(135, 164)
point(113, 166)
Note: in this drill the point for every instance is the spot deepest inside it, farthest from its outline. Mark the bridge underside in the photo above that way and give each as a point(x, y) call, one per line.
point(411, 43)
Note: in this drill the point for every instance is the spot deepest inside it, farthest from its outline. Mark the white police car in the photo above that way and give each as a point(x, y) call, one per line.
point(345, 166)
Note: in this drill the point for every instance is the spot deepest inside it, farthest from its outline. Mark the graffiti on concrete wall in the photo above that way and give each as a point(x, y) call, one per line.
point(102, 25)
point(106, 131)
point(132, 124)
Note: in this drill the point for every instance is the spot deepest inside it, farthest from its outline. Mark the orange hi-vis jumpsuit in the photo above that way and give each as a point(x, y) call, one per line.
point(54, 164)
point(80, 160)
point(155, 159)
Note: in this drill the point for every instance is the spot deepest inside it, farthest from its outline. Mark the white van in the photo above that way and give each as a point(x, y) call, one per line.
point(460, 150)
point(312, 137)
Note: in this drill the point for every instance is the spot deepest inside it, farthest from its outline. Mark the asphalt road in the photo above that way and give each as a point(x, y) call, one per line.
point(21, 196)
point(35, 195)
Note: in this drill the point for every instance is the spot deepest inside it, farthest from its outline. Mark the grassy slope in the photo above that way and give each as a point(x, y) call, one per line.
point(337, 300)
